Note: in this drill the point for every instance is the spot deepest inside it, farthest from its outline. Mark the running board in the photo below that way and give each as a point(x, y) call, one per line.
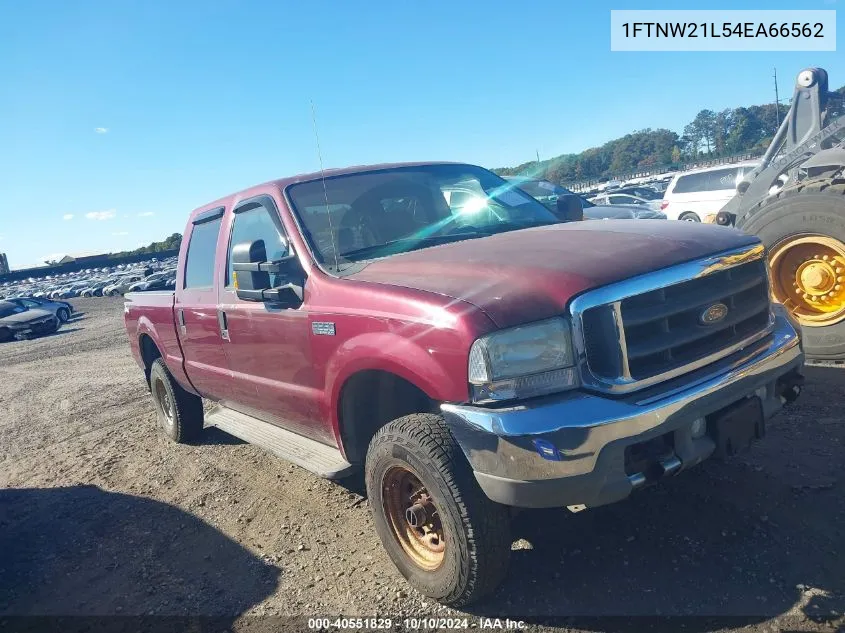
point(322, 460)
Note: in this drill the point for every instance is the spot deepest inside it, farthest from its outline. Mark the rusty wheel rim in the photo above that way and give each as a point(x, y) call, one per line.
point(413, 518)
point(808, 277)
point(164, 403)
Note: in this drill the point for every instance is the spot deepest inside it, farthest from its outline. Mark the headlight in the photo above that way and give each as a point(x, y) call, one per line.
point(522, 362)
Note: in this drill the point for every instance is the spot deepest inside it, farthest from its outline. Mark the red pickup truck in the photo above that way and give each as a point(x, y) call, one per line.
point(450, 335)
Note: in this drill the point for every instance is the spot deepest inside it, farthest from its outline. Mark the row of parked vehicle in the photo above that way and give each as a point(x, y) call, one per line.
point(117, 280)
point(693, 196)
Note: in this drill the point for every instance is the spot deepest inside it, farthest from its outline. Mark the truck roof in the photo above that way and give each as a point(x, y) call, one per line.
point(282, 183)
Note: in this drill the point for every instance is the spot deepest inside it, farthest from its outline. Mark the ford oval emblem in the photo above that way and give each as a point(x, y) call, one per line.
point(715, 313)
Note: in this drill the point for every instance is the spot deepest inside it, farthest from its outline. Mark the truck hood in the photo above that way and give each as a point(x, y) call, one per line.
point(526, 275)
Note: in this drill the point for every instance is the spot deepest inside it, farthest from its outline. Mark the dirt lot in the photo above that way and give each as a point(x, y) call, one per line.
point(100, 514)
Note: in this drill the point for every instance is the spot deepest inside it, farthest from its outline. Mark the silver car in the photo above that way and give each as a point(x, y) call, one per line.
point(61, 309)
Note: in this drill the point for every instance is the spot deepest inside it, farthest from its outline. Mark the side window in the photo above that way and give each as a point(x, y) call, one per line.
point(722, 179)
point(199, 265)
point(257, 222)
point(30, 304)
point(624, 200)
point(691, 183)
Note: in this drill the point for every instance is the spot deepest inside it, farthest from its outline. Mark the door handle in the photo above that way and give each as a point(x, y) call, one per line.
point(180, 315)
point(223, 322)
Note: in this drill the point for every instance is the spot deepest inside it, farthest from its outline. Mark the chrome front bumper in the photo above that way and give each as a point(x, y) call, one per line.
point(584, 435)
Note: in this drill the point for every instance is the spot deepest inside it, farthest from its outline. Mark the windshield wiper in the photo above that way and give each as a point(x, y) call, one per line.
point(504, 227)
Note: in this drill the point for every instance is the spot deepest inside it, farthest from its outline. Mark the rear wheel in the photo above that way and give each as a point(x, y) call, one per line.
point(689, 216)
point(804, 228)
point(5, 334)
point(443, 534)
point(179, 413)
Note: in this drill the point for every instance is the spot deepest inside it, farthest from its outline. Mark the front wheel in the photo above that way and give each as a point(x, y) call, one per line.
point(443, 534)
point(63, 315)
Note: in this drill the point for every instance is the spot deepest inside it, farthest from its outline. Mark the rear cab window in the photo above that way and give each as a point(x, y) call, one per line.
point(202, 247)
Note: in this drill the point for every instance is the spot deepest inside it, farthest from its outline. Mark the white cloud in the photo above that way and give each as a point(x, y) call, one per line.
point(146, 214)
point(100, 215)
point(121, 233)
point(101, 130)
point(67, 216)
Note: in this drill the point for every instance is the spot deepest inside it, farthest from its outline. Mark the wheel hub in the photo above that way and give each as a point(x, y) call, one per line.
point(164, 402)
point(808, 277)
point(816, 277)
point(413, 518)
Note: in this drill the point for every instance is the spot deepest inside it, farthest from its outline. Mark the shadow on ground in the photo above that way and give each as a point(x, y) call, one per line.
point(212, 436)
point(84, 551)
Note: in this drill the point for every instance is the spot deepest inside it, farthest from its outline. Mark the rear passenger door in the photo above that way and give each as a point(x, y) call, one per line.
point(268, 348)
point(196, 310)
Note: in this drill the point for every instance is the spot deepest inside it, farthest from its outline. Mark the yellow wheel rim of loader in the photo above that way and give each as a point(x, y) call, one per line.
point(808, 277)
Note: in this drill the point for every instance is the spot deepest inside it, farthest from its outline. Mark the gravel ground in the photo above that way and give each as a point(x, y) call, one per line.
point(100, 515)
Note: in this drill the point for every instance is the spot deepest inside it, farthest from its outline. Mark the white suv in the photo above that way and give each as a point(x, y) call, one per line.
point(694, 195)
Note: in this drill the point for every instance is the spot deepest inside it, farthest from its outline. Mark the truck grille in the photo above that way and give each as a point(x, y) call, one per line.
point(640, 338)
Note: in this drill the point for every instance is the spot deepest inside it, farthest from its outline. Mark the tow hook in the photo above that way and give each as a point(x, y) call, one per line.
point(789, 387)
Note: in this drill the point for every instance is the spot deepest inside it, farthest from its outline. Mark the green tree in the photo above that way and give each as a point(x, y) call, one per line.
point(731, 131)
point(676, 155)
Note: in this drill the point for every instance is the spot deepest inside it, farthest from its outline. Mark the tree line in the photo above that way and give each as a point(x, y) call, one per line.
point(708, 136)
point(171, 243)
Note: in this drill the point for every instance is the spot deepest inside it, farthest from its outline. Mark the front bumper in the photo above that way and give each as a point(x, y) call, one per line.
point(585, 435)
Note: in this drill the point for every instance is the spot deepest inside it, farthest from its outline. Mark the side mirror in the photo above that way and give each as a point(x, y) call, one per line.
point(251, 275)
point(569, 208)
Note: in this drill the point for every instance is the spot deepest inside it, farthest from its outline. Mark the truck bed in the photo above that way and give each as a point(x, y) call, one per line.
point(153, 298)
point(149, 316)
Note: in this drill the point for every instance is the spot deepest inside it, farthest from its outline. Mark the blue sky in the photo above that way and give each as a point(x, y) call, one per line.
point(127, 114)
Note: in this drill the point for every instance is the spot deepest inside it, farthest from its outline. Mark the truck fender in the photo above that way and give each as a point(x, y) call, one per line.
point(174, 361)
point(383, 351)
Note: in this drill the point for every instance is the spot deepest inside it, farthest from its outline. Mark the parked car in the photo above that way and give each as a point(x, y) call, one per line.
point(644, 192)
point(17, 321)
point(121, 285)
point(694, 195)
point(625, 200)
point(548, 194)
point(467, 357)
point(156, 281)
point(62, 309)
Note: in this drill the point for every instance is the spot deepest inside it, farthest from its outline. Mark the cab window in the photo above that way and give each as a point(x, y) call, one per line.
point(199, 266)
point(255, 221)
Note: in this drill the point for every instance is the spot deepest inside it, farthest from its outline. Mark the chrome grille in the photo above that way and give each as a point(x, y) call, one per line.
point(651, 328)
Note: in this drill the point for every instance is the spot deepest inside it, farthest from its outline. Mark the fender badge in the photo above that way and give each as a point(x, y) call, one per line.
point(323, 328)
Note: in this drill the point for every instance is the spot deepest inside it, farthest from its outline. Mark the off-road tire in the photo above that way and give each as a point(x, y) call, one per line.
point(476, 530)
point(811, 207)
point(186, 420)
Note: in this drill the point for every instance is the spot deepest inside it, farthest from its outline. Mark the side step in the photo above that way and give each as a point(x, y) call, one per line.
point(322, 460)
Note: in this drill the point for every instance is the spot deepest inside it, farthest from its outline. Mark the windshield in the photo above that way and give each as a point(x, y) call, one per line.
point(381, 213)
point(8, 309)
